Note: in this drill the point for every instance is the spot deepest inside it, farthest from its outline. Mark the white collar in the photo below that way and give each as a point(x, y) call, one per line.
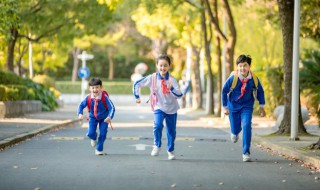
point(98, 97)
point(241, 77)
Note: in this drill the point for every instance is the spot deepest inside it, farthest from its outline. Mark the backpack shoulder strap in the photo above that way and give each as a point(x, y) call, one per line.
point(235, 79)
point(103, 98)
point(154, 81)
point(255, 79)
point(89, 102)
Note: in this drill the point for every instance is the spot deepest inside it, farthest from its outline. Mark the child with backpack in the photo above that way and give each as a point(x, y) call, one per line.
point(101, 111)
point(238, 95)
point(163, 99)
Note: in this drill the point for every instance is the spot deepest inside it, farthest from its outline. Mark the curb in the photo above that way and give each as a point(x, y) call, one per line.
point(288, 151)
point(21, 137)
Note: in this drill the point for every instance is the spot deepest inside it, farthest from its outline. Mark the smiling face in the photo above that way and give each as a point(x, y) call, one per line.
point(163, 67)
point(243, 68)
point(95, 90)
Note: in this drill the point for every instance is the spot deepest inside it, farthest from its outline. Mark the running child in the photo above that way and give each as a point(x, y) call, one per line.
point(165, 91)
point(238, 96)
point(101, 111)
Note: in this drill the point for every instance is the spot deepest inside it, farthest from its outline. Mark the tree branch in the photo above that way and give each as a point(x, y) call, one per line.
point(194, 4)
point(215, 21)
point(44, 34)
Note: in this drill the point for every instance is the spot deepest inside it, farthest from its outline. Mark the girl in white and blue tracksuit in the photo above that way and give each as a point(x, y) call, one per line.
point(165, 108)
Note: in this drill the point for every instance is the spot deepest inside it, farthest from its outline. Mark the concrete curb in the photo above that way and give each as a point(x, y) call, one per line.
point(288, 151)
point(21, 137)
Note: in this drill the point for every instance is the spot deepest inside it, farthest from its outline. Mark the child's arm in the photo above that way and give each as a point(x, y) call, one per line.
point(111, 109)
point(261, 99)
point(145, 81)
point(174, 88)
point(81, 106)
point(225, 90)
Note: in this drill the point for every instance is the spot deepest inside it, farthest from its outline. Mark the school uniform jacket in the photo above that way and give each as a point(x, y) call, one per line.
point(166, 102)
point(103, 112)
point(247, 100)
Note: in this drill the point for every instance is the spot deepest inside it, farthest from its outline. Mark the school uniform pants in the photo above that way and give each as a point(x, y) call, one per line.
point(92, 132)
point(171, 122)
point(241, 120)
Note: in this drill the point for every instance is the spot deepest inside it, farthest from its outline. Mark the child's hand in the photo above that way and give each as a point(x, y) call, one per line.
point(262, 112)
point(107, 120)
point(226, 111)
point(138, 101)
point(169, 86)
point(80, 116)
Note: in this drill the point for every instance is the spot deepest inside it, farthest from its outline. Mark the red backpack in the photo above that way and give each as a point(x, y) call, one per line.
point(103, 99)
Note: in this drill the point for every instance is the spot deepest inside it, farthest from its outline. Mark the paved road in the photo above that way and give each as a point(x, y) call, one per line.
point(206, 159)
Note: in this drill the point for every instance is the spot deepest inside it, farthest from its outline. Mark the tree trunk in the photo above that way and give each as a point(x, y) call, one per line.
point(10, 52)
point(21, 54)
point(210, 99)
point(219, 82)
point(286, 12)
point(44, 57)
point(232, 37)
point(159, 46)
point(315, 146)
point(111, 63)
point(196, 81)
point(218, 59)
point(75, 52)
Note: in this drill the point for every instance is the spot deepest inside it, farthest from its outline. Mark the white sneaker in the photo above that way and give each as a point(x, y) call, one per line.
point(234, 138)
point(97, 152)
point(93, 143)
point(171, 156)
point(246, 157)
point(155, 151)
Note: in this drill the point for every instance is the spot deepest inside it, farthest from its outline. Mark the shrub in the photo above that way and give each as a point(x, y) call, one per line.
point(10, 78)
point(2, 92)
point(16, 88)
point(44, 80)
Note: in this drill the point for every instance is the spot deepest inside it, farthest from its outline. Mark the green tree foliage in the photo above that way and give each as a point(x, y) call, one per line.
point(310, 80)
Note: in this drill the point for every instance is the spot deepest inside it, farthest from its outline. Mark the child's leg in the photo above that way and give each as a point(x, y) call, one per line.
point(235, 122)
point(171, 123)
point(103, 128)
point(92, 129)
point(246, 119)
point(158, 126)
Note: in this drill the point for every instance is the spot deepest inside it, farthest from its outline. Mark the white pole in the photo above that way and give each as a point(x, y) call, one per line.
point(295, 73)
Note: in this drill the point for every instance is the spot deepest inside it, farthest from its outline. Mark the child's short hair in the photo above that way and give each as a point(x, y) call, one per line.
point(95, 82)
point(244, 58)
point(165, 57)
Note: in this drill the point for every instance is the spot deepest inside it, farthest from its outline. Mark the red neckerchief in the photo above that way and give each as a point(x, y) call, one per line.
point(244, 84)
point(164, 87)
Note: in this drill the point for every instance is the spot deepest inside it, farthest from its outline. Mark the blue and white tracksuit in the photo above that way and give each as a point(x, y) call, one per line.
point(240, 110)
point(103, 113)
point(166, 107)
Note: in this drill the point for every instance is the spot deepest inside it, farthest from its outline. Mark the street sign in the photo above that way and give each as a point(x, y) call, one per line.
point(85, 56)
point(83, 72)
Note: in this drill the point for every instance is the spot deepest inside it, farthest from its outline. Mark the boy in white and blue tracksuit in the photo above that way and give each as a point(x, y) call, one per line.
point(99, 114)
point(238, 103)
point(167, 92)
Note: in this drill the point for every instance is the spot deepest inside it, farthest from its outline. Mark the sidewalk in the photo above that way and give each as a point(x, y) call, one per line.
point(15, 130)
point(282, 145)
